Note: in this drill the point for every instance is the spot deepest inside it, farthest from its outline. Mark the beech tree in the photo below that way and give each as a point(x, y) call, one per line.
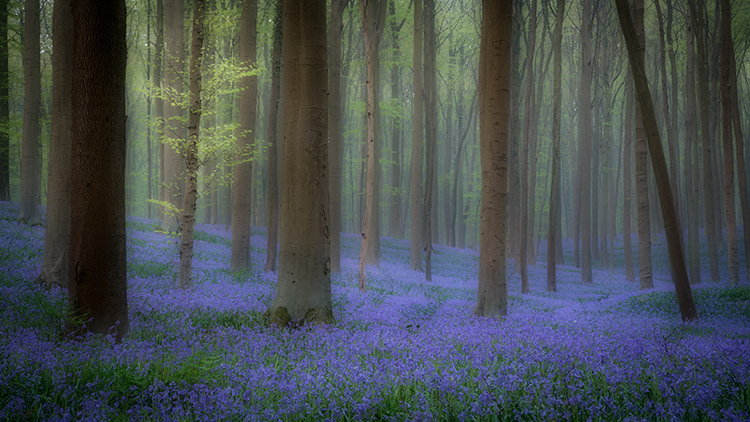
point(28, 211)
point(303, 292)
point(416, 144)
point(4, 105)
point(494, 124)
point(57, 234)
point(272, 238)
point(97, 288)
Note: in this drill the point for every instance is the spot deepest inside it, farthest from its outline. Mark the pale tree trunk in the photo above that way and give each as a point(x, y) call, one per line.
point(303, 292)
point(525, 192)
point(726, 132)
point(659, 163)
point(494, 124)
point(373, 20)
point(584, 135)
point(416, 145)
point(430, 191)
point(57, 235)
point(185, 280)
point(4, 104)
point(627, 180)
point(173, 128)
point(158, 100)
point(30, 153)
point(395, 210)
point(641, 169)
point(708, 183)
point(243, 170)
point(97, 288)
point(691, 173)
point(272, 239)
point(554, 196)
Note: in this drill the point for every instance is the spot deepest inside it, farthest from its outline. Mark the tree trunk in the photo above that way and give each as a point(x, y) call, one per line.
point(494, 124)
point(708, 183)
point(430, 78)
point(672, 227)
point(243, 170)
point(395, 210)
point(185, 280)
point(303, 292)
point(416, 145)
point(97, 287)
point(627, 180)
point(4, 104)
point(272, 238)
point(726, 132)
point(584, 135)
point(57, 235)
point(554, 196)
point(28, 211)
point(528, 112)
point(174, 131)
point(691, 175)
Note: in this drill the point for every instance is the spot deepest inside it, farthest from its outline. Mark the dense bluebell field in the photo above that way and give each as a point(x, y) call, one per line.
point(406, 349)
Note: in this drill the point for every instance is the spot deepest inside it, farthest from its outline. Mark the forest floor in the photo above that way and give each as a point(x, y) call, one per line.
point(406, 349)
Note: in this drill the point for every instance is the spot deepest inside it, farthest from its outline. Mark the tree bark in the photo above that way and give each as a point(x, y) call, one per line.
point(272, 239)
point(584, 135)
point(416, 146)
point(627, 181)
point(174, 131)
point(672, 227)
point(691, 175)
point(395, 209)
point(4, 104)
point(525, 191)
point(57, 234)
point(97, 288)
point(430, 97)
point(303, 292)
point(243, 170)
point(554, 196)
point(30, 153)
point(494, 123)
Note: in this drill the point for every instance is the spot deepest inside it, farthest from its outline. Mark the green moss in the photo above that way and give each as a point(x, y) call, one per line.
point(280, 316)
point(318, 315)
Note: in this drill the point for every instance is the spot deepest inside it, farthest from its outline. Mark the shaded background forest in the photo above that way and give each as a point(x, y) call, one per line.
point(456, 176)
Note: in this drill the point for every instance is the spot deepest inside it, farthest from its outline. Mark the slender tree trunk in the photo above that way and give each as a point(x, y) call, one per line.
point(273, 152)
point(627, 181)
point(691, 168)
point(243, 171)
point(554, 196)
point(57, 234)
point(525, 191)
point(185, 280)
point(395, 210)
point(157, 76)
point(494, 123)
point(30, 153)
point(416, 146)
point(726, 132)
point(708, 183)
point(97, 288)
point(430, 78)
point(303, 292)
point(174, 131)
point(584, 135)
point(4, 104)
point(672, 227)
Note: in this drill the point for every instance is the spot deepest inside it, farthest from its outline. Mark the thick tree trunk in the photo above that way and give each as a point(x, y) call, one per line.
point(554, 196)
point(97, 287)
point(30, 153)
point(708, 183)
point(243, 171)
point(584, 135)
point(627, 181)
point(185, 280)
point(174, 131)
point(4, 104)
point(494, 123)
point(272, 239)
point(416, 146)
point(303, 292)
point(57, 234)
point(672, 227)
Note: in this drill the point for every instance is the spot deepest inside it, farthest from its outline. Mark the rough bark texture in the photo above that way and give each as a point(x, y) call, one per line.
point(185, 280)
point(661, 173)
point(4, 104)
point(645, 274)
point(708, 183)
point(416, 145)
point(57, 234)
point(174, 129)
point(272, 240)
point(554, 196)
point(494, 123)
point(30, 154)
point(726, 134)
point(303, 292)
point(97, 287)
point(584, 136)
point(243, 171)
